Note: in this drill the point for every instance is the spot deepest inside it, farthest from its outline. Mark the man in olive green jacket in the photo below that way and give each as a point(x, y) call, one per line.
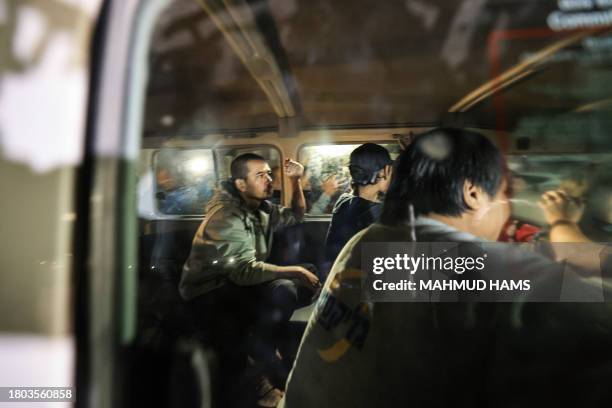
point(234, 292)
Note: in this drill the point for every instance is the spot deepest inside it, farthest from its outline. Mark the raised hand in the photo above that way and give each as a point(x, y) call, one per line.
point(558, 206)
point(293, 169)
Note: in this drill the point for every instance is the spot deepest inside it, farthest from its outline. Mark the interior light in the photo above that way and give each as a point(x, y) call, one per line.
point(167, 120)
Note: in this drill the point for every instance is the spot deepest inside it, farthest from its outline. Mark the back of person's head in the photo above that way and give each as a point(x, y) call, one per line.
point(430, 174)
point(365, 163)
point(239, 168)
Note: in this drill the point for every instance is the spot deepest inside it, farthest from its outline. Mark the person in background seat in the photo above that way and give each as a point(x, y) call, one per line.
point(320, 193)
point(244, 302)
point(370, 168)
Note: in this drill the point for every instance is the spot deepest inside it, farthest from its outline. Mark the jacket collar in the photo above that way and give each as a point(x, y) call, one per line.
point(429, 226)
point(227, 195)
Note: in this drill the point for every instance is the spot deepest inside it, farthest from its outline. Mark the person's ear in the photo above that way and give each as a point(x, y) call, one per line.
point(240, 185)
point(472, 195)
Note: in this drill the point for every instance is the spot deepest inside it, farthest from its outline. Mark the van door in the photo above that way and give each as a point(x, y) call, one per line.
point(112, 367)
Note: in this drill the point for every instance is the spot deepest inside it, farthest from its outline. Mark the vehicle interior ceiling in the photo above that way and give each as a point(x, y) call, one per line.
point(255, 75)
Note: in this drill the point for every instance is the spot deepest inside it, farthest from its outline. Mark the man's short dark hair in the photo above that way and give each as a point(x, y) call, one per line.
point(431, 172)
point(366, 161)
point(239, 169)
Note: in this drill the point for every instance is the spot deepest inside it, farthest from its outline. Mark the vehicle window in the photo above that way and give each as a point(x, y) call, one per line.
point(186, 179)
point(327, 175)
point(585, 177)
point(534, 76)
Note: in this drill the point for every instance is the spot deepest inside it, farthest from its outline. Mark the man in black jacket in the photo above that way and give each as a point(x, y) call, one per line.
point(370, 167)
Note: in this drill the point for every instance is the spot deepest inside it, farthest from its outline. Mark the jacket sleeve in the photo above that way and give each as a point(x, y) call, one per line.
point(320, 205)
point(235, 253)
point(284, 217)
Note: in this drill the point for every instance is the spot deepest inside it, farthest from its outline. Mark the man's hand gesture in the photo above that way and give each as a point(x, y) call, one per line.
point(293, 169)
point(558, 206)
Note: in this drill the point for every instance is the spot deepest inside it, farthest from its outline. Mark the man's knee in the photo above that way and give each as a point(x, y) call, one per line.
point(279, 301)
point(283, 293)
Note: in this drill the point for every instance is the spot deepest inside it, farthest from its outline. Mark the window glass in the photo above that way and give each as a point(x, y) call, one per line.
point(535, 75)
point(327, 175)
point(186, 179)
point(197, 82)
point(586, 177)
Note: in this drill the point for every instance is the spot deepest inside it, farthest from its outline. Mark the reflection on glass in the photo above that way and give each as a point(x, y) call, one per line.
point(185, 180)
point(582, 176)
